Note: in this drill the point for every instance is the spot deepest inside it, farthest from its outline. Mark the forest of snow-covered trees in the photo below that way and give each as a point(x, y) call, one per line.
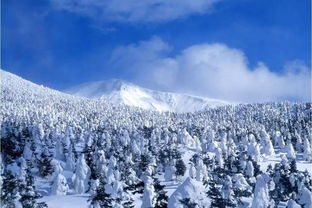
point(59, 150)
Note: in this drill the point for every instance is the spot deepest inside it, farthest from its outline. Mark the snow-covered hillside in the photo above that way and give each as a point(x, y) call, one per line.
point(60, 151)
point(121, 92)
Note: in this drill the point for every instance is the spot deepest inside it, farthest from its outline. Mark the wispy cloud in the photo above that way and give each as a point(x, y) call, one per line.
point(213, 70)
point(135, 10)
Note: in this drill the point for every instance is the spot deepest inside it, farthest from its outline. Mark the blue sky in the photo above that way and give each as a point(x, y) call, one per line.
point(60, 44)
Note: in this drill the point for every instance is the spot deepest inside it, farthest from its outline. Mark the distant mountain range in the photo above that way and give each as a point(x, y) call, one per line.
point(122, 92)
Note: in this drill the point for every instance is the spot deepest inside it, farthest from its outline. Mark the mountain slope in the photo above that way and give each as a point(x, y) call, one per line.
point(121, 92)
point(52, 138)
point(11, 84)
point(113, 91)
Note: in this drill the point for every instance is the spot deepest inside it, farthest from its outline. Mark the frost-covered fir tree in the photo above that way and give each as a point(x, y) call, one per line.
point(44, 163)
point(180, 168)
point(190, 192)
point(27, 152)
point(160, 198)
point(261, 197)
point(227, 192)
point(57, 167)
point(81, 176)
point(59, 186)
point(192, 171)
point(101, 198)
point(291, 203)
point(249, 171)
point(70, 159)
point(59, 150)
point(278, 140)
point(305, 196)
point(28, 193)
point(23, 168)
point(148, 199)
point(254, 148)
point(289, 150)
point(94, 183)
point(267, 146)
point(307, 154)
point(241, 187)
point(9, 190)
point(219, 157)
point(201, 170)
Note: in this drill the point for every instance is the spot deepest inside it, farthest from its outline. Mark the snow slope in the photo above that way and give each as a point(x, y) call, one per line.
point(112, 91)
point(121, 92)
point(11, 84)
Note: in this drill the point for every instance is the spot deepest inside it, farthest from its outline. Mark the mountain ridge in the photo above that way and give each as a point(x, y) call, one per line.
point(124, 92)
point(113, 91)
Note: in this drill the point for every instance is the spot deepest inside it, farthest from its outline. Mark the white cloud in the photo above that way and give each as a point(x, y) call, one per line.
point(212, 70)
point(135, 10)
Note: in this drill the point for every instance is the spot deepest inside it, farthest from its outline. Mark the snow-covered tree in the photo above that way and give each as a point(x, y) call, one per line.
point(160, 198)
point(267, 146)
point(59, 186)
point(101, 198)
point(305, 196)
point(291, 203)
point(261, 197)
point(44, 163)
point(180, 168)
point(307, 154)
point(289, 150)
point(9, 189)
point(28, 193)
point(189, 192)
point(81, 176)
point(148, 199)
point(70, 159)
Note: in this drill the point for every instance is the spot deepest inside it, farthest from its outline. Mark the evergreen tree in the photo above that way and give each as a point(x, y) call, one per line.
point(28, 194)
point(144, 161)
point(307, 155)
point(136, 188)
point(187, 203)
point(44, 164)
point(161, 199)
point(59, 186)
point(261, 197)
point(81, 176)
point(293, 166)
point(215, 195)
point(128, 202)
point(9, 189)
point(148, 199)
point(180, 168)
point(101, 198)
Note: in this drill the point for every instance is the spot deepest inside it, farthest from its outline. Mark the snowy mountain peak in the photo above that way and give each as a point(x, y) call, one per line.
point(123, 92)
point(99, 88)
point(113, 91)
